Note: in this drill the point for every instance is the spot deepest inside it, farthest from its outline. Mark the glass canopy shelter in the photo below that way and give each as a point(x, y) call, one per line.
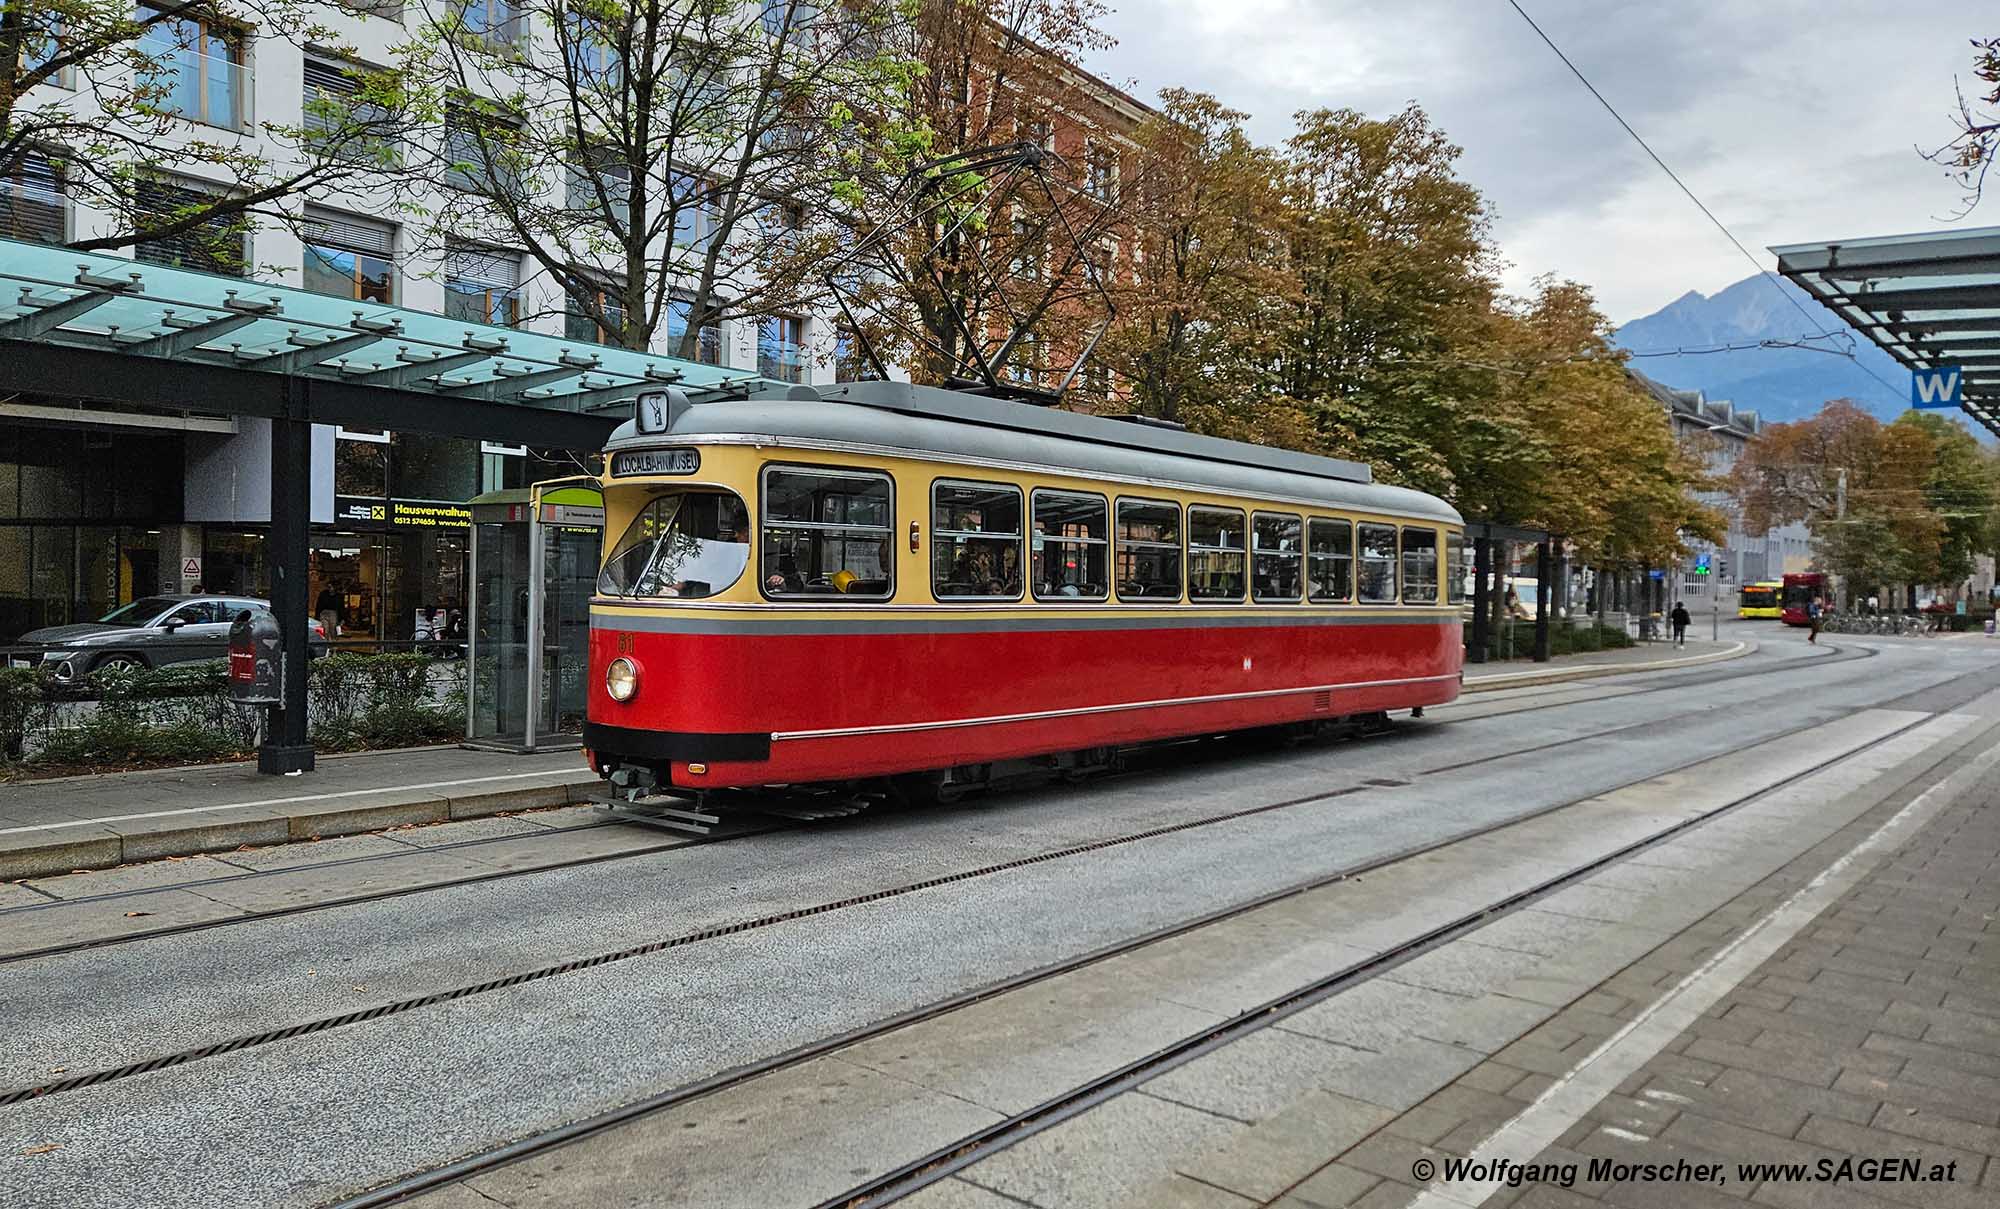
point(1931, 301)
point(143, 337)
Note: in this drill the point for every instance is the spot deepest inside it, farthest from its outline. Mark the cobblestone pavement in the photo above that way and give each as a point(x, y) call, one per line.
point(1871, 1036)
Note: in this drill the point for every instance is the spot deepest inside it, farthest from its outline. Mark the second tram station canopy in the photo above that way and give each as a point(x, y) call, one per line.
point(1932, 301)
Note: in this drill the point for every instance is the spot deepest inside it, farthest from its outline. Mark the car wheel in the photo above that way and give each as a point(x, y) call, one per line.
point(123, 661)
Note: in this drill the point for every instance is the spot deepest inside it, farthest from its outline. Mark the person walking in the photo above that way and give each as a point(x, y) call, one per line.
point(1815, 616)
point(1680, 619)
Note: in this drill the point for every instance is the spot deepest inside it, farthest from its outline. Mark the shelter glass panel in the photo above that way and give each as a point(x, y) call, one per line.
point(1276, 557)
point(975, 541)
point(827, 534)
point(1420, 566)
point(1072, 547)
point(1378, 563)
point(1215, 554)
point(687, 544)
point(1149, 550)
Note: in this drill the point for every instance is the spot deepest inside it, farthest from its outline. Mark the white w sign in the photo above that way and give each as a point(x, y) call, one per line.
point(1936, 388)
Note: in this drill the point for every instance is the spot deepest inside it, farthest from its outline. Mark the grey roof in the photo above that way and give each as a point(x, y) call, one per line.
point(928, 421)
point(1695, 407)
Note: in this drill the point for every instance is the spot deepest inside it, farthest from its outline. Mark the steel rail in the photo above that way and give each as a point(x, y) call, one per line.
point(412, 1185)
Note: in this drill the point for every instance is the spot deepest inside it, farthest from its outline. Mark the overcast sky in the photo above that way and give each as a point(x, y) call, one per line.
point(1793, 120)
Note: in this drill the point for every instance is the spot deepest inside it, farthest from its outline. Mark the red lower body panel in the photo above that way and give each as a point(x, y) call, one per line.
point(840, 706)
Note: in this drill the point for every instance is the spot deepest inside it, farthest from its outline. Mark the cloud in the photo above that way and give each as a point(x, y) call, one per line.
point(1793, 121)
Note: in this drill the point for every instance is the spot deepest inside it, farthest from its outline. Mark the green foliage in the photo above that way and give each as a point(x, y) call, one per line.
point(1516, 640)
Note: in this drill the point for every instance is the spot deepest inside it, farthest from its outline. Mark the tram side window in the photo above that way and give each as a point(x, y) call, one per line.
point(975, 541)
point(1331, 555)
point(1420, 566)
point(827, 534)
point(687, 544)
point(1458, 576)
point(1275, 557)
point(1215, 554)
point(1149, 550)
point(1071, 548)
point(1378, 563)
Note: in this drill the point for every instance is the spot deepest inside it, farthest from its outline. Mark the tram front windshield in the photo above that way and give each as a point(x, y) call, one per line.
point(686, 544)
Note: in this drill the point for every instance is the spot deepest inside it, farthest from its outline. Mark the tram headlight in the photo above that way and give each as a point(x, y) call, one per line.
point(621, 679)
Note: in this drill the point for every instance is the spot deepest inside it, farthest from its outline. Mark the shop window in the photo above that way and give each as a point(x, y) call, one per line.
point(827, 534)
point(349, 257)
point(1072, 547)
point(1378, 563)
point(1215, 554)
point(1275, 558)
point(1420, 566)
point(975, 541)
point(1330, 559)
point(1149, 550)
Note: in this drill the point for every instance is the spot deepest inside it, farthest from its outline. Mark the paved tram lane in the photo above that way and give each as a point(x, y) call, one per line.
point(406, 1091)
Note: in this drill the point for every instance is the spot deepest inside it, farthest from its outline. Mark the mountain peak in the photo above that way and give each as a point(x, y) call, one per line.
point(1781, 383)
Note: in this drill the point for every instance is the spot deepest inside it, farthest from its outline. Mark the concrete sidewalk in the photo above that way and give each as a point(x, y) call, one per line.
point(95, 822)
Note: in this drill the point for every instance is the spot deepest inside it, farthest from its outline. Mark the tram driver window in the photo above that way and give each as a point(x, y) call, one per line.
point(1071, 552)
point(827, 534)
point(1420, 566)
point(1378, 563)
point(1275, 557)
point(686, 544)
point(1215, 554)
point(1149, 550)
point(1330, 554)
point(975, 541)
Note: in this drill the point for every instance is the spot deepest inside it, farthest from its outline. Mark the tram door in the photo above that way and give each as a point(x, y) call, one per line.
point(534, 564)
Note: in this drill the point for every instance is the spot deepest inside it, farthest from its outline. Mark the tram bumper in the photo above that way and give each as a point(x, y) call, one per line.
point(614, 746)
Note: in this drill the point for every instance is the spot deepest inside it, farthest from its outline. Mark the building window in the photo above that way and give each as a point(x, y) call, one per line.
point(694, 218)
point(1101, 174)
point(338, 121)
point(850, 363)
point(600, 186)
point(780, 345)
point(349, 257)
point(1071, 546)
point(198, 66)
point(1149, 550)
point(975, 541)
point(361, 468)
point(217, 243)
point(478, 147)
point(1215, 554)
point(482, 285)
point(592, 57)
point(1275, 557)
point(581, 322)
point(32, 205)
point(827, 534)
point(708, 343)
point(1378, 563)
point(492, 24)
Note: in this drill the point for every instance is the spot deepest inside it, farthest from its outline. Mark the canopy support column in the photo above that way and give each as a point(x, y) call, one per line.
point(286, 748)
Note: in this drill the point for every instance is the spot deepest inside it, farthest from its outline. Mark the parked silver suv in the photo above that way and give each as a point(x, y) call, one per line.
point(148, 632)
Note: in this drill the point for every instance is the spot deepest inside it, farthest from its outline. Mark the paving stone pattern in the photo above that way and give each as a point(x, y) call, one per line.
point(1874, 1034)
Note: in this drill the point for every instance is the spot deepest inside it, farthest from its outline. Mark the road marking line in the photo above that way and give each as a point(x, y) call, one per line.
point(304, 797)
point(1566, 1101)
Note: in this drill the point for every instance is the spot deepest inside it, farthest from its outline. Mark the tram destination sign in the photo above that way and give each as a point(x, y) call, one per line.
point(655, 461)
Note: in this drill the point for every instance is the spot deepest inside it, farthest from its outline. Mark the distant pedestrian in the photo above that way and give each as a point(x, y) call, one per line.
point(1815, 616)
point(1680, 619)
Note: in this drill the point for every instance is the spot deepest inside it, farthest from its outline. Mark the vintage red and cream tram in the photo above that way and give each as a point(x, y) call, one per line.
point(894, 580)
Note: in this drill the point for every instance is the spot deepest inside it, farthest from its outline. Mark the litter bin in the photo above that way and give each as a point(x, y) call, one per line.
point(1989, 627)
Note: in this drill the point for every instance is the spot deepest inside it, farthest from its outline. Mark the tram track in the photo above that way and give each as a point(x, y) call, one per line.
point(1161, 767)
point(944, 1161)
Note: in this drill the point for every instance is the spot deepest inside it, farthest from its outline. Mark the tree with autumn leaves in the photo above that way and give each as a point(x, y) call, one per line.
point(1340, 294)
point(1905, 504)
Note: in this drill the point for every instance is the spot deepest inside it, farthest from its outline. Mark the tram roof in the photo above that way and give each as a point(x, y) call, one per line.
point(929, 421)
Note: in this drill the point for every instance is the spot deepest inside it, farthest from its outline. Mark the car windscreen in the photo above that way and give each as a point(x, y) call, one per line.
point(139, 612)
